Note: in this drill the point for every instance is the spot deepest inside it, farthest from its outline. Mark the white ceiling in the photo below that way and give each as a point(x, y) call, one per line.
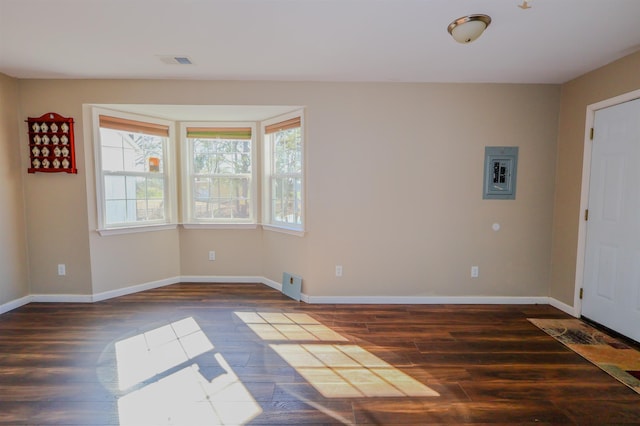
point(313, 40)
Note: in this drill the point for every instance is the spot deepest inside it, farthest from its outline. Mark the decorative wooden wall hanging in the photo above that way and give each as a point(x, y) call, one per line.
point(51, 145)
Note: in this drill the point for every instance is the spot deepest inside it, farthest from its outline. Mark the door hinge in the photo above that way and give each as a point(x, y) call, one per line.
point(581, 293)
point(591, 134)
point(586, 214)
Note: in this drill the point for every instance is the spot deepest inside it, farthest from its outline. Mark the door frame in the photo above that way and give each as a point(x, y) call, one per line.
point(584, 196)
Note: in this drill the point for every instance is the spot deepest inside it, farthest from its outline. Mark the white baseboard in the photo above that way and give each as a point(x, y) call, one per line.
point(381, 300)
point(220, 279)
point(62, 298)
point(135, 289)
point(428, 300)
point(174, 280)
point(271, 283)
point(564, 307)
point(13, 304)
point(231, 279)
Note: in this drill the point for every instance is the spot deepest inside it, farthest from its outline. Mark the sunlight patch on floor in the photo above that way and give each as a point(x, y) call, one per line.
point(147, 354)
point(288, 326)
point(342, 371)
point(172, 377)
point(336, 370)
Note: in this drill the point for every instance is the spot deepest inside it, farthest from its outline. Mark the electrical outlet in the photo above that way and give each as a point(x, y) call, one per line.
point(475, 272)
point(62, 269)
point(338, 270)
point(212, 255)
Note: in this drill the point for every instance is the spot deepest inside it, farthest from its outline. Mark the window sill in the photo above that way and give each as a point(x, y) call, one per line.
point(135, 229)
point(219, 225)
point(164, 227)
point(284, 230)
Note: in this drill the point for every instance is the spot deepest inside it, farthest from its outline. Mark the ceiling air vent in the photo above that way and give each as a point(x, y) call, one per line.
point(176, 60)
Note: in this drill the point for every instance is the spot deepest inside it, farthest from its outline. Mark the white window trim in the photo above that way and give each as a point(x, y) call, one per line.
point(135, 229)
point(284, 230)
point(169, 165)
point(188, 221)
point(267, 223)
point(219, 225)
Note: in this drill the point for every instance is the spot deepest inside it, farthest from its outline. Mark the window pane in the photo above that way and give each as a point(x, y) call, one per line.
point(155, 198)
point(222, 208)
point(287, 150)
point(134, 199)
point(124, 151)
point(222, 187)
point(116, 211)
point(241, 208)
point(221, 156)
point(149, 196)
point(218, 198)
point(202, 157)
point(112, 158)
point(242, 197)
point(155, 188)
point(287, 200)
point(202, 208)
point(114, 187)
point(201, 188)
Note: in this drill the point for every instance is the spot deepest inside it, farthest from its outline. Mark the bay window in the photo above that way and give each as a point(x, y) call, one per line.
point(222, 165)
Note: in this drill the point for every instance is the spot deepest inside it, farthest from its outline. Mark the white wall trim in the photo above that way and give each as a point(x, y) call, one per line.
point(283, 230)
point(584, 203)
point(271, 283)
point(62, 298)
point(136, 229)
point(368, 300)
point(571, 310)
point(14, 304)
point(220, 279)
point(429, 300)
point(134, 289)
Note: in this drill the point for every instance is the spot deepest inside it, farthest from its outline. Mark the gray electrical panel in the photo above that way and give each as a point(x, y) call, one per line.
point(500, 170)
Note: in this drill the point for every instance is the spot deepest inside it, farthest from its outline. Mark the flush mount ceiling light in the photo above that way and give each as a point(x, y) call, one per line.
point(468, 28)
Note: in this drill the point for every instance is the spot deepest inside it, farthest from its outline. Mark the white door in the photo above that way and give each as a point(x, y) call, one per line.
point(612, 258)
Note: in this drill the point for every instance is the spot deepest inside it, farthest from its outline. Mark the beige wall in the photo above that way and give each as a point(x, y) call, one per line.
point(14, 279)
point(395, 188)
point(238, 252)
point(394, 183)
point(56, 208)
point(617, 78)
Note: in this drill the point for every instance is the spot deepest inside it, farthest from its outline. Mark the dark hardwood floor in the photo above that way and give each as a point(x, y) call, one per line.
point(245, 354)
